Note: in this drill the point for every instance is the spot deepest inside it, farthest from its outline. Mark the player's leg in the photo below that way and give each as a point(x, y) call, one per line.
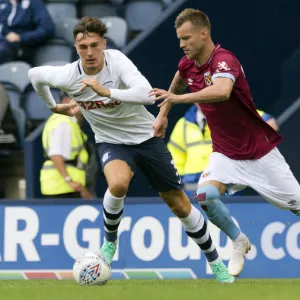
point(157, 164)
point(278, 185)
point(118, 165)
point(195, 227)
point(208, 195)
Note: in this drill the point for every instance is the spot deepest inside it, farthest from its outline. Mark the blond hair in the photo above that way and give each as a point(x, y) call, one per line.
point(194, 16)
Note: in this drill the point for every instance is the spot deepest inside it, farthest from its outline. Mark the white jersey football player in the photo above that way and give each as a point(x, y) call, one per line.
point(110, 92)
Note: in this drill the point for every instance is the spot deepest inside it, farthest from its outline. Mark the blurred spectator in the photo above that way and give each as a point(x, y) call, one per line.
point(190, 145)
point(24, 24)
point(269, 119)
point(5, 138)
point(63, 174)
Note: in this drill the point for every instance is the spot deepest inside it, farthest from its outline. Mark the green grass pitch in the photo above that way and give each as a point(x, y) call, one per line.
point(243, 289)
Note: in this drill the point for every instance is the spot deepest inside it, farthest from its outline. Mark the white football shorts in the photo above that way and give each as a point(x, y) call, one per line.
point(270, 176)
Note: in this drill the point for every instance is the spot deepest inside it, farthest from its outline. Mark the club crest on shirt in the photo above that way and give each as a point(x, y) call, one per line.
point(108, 84)
point(207, 78)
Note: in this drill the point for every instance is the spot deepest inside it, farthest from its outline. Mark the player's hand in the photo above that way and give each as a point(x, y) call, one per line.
point(13, 37)
point(164, 95)
point(75, 186)
point(68, 109)
point(160, 126)
point(95, 86)
point(85, 194)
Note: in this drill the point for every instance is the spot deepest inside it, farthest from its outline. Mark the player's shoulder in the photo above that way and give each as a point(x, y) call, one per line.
point(64, 68)
point(64, 76)
point(185, 63)
point(69, 73)
point(113, 54)
point(118, 61)
point(222, 53)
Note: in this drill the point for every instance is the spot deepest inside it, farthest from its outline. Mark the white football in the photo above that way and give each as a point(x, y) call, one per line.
point(91, 269)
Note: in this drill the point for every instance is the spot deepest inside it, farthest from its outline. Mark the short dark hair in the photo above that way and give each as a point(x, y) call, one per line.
point(90, 24)
point(194, 16)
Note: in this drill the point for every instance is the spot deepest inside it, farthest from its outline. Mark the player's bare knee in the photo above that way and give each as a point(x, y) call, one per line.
point(118, 188)
point(178, 203)
point(180, 209)
point(207, 194)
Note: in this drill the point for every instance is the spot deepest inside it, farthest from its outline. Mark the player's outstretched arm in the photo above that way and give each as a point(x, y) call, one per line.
point(38, 79)
point(42, 78)
point(219, 91)
point(160, 124)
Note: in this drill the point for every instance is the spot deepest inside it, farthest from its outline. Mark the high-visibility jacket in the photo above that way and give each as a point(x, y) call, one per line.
point(190, 147)
point(264, 115)
point(52, 182)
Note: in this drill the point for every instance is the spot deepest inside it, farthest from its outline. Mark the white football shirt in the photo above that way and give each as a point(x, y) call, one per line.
point(120, 119)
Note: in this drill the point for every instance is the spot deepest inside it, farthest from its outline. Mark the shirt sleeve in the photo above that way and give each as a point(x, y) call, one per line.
point(42, 78)
point(61, 141)
point(137, 85)
point(225, 65)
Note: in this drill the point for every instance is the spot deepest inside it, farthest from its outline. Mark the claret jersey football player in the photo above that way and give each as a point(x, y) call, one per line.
point(244, 146)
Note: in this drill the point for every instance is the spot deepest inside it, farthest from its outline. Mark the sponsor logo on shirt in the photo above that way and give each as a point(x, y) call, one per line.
point(223, 66)
point(89, 105)
point(207, 78)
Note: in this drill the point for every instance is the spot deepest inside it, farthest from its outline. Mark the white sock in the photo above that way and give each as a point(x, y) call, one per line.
point(112, 214)
point(196, 228)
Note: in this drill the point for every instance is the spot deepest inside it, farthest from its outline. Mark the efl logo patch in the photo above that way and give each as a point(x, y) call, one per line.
point(207, 78)
point(206, 174)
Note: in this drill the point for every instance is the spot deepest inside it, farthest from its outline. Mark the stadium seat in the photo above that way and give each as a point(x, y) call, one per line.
point(110, 44)
point(54, 50)
point(64, 29)
point(62, 9)
point(20, 118)
point(14, 76)
point(140, 14)
point(167, 2)
point(117, 30)
point(97, 10)
point(16, 73)
point(35, 108)
point(14, 96)
point(56, 63)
